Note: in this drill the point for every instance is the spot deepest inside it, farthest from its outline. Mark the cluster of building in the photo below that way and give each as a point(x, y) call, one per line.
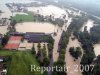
point(21, 42)
point(24, 41)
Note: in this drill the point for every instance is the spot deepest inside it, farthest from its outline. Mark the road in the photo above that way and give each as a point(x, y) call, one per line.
point(70, 60)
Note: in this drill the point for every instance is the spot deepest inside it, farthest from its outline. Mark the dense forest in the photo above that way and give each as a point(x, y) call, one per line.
point(95, 34)
point(87, 41)
point(77, 23)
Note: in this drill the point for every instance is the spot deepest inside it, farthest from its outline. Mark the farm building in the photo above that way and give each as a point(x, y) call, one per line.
point(35, 37)
point(13, 43)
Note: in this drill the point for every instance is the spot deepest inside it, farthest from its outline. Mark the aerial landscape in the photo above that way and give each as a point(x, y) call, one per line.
point(49, 37)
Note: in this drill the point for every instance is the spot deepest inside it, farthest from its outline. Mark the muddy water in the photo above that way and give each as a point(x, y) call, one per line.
point(97, 49)
point(70, 60)
point(49, 10)
point(57, 38)
point(35, 27)
point(3, 29)
point(6, 12)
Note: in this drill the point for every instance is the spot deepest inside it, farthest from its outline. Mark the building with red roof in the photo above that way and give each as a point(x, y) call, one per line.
point(13, 43)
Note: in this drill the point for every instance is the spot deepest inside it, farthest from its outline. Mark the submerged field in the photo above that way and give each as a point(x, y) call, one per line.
point(35, 27)
point(21, 63)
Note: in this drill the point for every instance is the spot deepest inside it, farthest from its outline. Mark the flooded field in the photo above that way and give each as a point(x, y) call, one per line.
point(6, 12)
point(70, 60)
point(97, 49)
point(35, 27)
point(49, 10)
point(3, 29)
point(16, 1)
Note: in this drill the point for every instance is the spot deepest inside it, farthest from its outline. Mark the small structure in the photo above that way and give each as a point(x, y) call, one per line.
point(13, 43)
point(25, 45)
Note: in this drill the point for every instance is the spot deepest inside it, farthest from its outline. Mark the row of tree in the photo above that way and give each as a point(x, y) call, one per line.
point(41, 55)
point(87, 45)
point(62, 51)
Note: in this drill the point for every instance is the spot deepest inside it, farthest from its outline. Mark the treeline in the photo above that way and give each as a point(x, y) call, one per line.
point(60, 63)
point(77, 23)
point(95, 34)
point(87, 45)
point(85, 39)
point(50, 19)
point(41, 55)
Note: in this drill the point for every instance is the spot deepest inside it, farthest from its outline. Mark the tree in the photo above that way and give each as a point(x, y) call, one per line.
point(13, 22)
point(75, 52)
point(33, 50)
point(78, 52)
point(39, 46)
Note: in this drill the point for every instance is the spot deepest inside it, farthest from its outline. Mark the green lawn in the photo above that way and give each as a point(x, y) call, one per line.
point(24, 18)
point(20, 63)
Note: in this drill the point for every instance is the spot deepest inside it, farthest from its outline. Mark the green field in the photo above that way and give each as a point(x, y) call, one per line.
point(20, 63)
point(24, 18)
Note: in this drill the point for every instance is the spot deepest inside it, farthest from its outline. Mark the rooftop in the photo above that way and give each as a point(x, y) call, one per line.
point(35, 37)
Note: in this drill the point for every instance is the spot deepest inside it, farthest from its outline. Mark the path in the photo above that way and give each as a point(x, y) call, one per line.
point(70, 60)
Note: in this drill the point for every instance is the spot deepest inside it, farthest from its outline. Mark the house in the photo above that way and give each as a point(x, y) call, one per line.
point(35, 37)
point(13, 43)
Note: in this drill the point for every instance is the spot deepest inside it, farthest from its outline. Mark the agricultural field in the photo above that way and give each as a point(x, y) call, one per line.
point(24, 18)
point(20, 63)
